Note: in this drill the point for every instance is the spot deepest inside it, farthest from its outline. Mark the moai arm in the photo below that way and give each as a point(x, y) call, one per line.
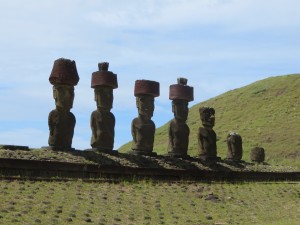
point(51, 123)
point(229, 142)
point(200, 140)
point(74, 123)
point(93, 125)
point(171, 137)
point(133, 131)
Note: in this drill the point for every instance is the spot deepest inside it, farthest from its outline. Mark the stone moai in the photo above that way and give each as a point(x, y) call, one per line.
point(102, 120)
point(257, 154)
point(61, 121)
point(207, 138)
point(180, 94)
point(235, 147)
point(142, 127)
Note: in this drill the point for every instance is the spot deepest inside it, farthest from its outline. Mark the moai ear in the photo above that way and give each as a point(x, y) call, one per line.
point(95, 95)
point(137, 101)
point(173, 106)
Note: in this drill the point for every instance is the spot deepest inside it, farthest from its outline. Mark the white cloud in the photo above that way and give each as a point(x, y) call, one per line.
point(241, 15)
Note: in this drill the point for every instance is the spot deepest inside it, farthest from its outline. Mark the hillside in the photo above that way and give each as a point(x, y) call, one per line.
point(265, 113)
point(148, 202)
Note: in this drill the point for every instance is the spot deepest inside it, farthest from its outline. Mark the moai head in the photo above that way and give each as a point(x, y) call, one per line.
point(235, 146)
point(64, 77)
point(145, 91)
point(181, 94)
point(63, 96)
point(207, 116)
point(145, 105)
point(104, 81)
point(104, 98)
point(180, 109)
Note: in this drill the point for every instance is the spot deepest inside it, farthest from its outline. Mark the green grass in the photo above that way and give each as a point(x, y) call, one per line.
point(265, 113)
point(148, 202)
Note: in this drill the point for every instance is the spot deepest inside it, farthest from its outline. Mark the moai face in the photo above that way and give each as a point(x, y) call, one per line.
point(145, 105)
point(207, 116)
point(63, 96)
point(104, 98)
point(180, 110)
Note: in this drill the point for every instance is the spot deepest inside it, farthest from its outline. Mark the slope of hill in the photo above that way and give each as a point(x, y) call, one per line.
point(148, 202)
point(265, 113)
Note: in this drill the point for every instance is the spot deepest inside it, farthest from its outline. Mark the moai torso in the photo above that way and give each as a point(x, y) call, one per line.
point(61, 125)
point(207, 142)
point(178, 137)
point(103, 132)
point(257, 154)
point(143, 134)
point(207, 138)
point(235, 147)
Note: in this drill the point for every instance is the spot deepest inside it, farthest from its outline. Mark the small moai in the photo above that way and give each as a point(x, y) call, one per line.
point(61, 121)
point(235, 147)
point(207, 138)
point(180, 94)
point(142, 127)
point(257, 154)
point(102, 120)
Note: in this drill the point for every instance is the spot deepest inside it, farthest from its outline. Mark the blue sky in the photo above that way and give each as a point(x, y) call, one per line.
point(218, 45)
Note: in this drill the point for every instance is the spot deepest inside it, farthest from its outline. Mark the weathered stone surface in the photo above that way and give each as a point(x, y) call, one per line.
point(207, 137)
point(61, 121)
point(102, 120)
point(179, 131)
point(258, 154)
point(142, 127)
point(235, 147)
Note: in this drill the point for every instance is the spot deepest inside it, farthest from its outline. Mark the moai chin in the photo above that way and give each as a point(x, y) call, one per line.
point(102, 120)
point(61, 121)
point(235, 147)
point(142, 127)
point(207, 138)
point(179, 132)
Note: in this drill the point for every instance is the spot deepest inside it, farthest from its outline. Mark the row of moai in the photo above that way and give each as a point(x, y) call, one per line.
point(61, 121)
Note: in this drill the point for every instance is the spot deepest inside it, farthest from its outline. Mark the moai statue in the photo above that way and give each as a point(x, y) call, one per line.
point(179, 132)
point(207, 138)
point(235, 147)
point(102, 120)
point(142, 127)
point(61, 121)
point(258, 154)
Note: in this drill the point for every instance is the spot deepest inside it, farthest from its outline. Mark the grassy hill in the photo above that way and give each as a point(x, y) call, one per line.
point(148, 202)
point(265, 113)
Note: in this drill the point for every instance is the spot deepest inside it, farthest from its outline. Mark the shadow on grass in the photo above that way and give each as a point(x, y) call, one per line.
point(180, 163)
point(97, 157)
point(140, 160)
